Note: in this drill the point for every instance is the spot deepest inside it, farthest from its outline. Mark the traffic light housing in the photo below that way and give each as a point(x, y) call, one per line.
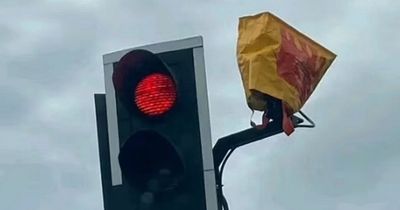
point(157, 153)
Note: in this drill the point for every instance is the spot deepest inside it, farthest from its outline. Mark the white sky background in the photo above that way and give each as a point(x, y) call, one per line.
point(51, 64)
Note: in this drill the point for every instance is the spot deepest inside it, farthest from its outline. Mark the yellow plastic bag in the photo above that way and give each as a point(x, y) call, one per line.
point(277, 60)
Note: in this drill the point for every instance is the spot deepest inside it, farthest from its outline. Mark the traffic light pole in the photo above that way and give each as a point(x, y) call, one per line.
point(225, 146)
point(247, 136)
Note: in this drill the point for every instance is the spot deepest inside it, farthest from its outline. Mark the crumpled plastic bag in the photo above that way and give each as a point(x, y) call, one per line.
point(277, 60)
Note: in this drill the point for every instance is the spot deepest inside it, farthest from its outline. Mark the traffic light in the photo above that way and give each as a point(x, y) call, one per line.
point(154, 131)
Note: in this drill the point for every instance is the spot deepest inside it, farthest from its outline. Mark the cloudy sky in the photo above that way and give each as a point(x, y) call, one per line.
point(51, 64)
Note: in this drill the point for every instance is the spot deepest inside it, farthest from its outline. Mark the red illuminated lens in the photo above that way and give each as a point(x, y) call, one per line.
point(155, 94)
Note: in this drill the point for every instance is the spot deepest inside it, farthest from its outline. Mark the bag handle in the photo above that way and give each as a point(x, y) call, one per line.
point(287, 123)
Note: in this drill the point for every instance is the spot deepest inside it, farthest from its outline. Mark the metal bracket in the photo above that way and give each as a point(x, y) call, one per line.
point(250, 135)
point(225, 146)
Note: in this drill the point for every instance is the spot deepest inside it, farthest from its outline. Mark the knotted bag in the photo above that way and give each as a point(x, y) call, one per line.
point(277, 61)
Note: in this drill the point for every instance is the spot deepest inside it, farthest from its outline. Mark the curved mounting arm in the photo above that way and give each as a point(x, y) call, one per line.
point(250, 135)
point(238, 139)
point(226, 145)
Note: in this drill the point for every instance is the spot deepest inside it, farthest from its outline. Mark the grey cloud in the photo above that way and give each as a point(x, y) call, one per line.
point(15, 106)
point(52, 61)
point(23, 183)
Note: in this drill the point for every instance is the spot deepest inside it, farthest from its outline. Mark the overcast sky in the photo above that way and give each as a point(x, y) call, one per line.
point(51, 64)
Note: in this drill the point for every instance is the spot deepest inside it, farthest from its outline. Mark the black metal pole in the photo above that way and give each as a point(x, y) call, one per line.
point(247, 136)
point(229, 143)
point(250, 135)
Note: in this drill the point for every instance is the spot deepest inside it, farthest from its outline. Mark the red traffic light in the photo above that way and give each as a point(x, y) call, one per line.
point(143, 82)
point(155, 94)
